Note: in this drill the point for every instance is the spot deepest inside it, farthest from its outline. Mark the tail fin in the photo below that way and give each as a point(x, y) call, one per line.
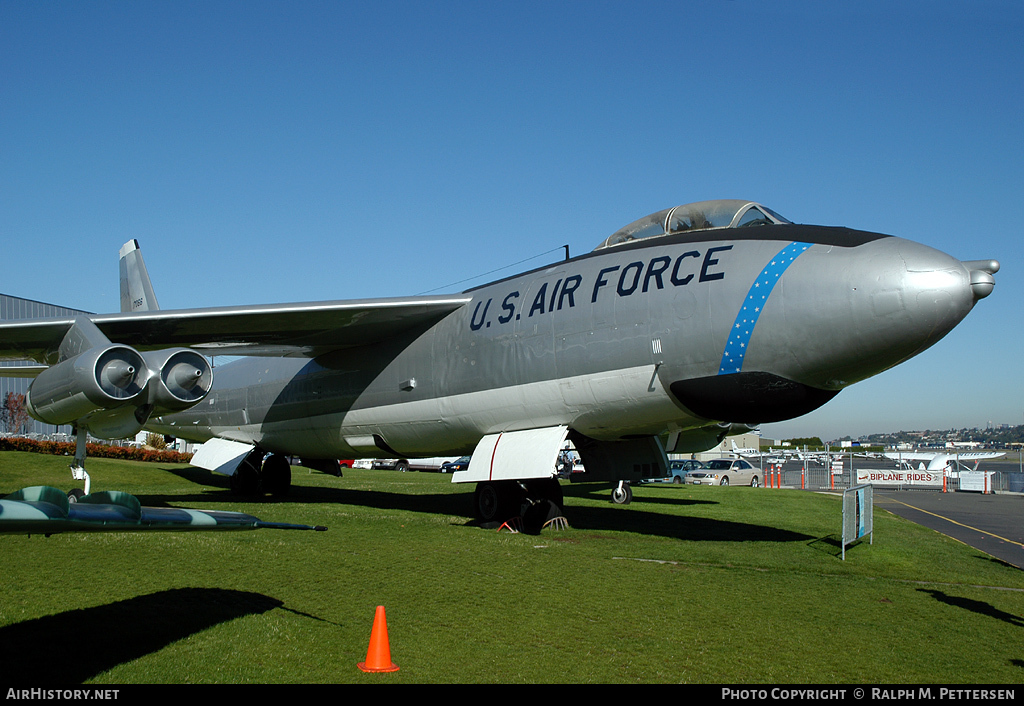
point(136, 289)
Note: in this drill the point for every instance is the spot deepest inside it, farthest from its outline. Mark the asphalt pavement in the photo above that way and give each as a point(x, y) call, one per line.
point(993, 523)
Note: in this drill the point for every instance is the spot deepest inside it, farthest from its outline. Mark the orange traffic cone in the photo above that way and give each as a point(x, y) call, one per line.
point(378, 656)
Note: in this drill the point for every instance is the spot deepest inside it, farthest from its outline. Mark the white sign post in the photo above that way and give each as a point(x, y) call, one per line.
point(858, 515)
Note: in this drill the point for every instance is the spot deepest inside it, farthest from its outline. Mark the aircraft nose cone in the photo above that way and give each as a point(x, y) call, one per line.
point(936, 290)
point(919, 298)
point(866, 309)
point(836, 314)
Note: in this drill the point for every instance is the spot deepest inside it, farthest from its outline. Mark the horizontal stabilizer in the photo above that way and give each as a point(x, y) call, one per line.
point(45, 510)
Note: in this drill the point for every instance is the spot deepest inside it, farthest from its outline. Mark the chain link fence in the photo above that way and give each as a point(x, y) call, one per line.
point(817, 478)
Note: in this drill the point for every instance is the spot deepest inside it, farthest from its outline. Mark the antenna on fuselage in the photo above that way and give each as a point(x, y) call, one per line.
point(470, 279)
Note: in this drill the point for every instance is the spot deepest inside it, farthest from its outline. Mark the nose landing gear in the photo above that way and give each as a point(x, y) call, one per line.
point(622, 494)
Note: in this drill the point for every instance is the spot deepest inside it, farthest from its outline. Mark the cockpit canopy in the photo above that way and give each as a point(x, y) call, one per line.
point(703, 215)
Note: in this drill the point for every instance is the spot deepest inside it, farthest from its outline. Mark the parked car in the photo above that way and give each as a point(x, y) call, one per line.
point(409, 464)
point(678, 470)
point(726, 471)
point(459, 464)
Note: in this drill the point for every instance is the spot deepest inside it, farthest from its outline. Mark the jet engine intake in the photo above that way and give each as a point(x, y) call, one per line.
point(112, 390)
point(100, 378)
point(180, 379)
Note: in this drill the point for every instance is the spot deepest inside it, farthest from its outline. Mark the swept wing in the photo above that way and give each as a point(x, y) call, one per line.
point(304, 329)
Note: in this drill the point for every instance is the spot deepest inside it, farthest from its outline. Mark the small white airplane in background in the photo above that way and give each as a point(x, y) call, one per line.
point(938, 461)
point(822, 457)
point(744, 451)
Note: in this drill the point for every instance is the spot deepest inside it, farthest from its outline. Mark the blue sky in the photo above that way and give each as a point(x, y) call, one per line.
point(272, 151)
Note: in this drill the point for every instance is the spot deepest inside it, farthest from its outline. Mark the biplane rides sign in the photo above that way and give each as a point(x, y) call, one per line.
point(900, 477)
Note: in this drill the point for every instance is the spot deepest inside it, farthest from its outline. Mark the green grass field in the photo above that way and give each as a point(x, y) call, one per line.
point(686, 584)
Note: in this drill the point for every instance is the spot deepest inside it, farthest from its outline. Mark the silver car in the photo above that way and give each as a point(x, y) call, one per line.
point(678, 470)
point(726, 471)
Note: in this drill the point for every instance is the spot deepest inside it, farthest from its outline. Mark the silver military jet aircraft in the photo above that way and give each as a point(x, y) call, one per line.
point(687, 325)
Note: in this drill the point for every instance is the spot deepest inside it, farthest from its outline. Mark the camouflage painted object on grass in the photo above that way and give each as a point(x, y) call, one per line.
point(46, 510)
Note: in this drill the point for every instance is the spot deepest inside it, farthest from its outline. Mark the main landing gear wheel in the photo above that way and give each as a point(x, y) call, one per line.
point(496, 501)
point(545, 489)
point(277, 475)
point(246, 479)
point(543, 503)
point(538, 514)
point(538, 500)
point(622, 494)
point(256, 475)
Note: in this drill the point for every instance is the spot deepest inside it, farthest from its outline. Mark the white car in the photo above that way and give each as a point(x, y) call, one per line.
point(726, 471)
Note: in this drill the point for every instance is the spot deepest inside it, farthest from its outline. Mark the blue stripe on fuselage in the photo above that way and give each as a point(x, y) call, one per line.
point(746, 319)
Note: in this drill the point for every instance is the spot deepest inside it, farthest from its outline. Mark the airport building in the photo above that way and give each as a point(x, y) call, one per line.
point(751, 440)
point(17, 308)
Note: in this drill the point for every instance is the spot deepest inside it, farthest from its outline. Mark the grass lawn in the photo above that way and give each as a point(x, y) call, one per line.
point(687, 584)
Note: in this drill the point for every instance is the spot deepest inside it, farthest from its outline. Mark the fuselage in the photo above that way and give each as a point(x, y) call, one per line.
point(644, 338)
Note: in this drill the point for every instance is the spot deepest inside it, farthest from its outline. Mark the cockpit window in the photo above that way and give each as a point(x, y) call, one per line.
point(648, 227)
point(753, 217)
point(704, 215)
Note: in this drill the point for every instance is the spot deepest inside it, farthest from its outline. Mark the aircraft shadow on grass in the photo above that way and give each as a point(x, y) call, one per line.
point(701, 529)
point(631, 518)
point(71, 647)
point(627, 519)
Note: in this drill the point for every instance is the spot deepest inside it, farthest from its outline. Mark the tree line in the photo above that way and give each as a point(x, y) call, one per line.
point(14, 417)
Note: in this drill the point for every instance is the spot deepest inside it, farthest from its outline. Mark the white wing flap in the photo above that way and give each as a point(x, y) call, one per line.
point(514, 455)
point(221, 455)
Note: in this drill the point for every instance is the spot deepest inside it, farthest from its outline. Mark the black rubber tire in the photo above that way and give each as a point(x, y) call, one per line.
point(497, 501)
point(277, 475)
point(246, 478)
point(622, 495)
point(538, 514)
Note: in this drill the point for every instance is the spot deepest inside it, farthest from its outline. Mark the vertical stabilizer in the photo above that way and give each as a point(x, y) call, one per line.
point(136, 289)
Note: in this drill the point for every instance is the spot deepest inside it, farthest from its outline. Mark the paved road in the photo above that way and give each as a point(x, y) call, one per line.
point(992, 523)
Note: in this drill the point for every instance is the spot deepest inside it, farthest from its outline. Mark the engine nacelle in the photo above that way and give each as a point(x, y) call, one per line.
point(121, 423)
point(180, 379)
point(112, 390)
point(704, 438)
point(102, 378)
point(697, 440)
